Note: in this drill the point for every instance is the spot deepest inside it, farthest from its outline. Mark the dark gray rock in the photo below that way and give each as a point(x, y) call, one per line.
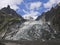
point(2, 44)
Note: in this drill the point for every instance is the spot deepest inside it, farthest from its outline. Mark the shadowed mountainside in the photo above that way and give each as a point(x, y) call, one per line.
point(9, 20)
point(52, 16)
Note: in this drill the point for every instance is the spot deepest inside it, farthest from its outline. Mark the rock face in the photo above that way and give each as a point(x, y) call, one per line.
point(55, 21)
point(9, 20)
point(52, 16)
point(47, 16)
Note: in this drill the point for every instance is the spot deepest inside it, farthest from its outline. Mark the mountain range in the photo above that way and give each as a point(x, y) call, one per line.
point(14, 27)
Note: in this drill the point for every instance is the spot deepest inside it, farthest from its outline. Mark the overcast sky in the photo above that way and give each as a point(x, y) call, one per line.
point(28, 8)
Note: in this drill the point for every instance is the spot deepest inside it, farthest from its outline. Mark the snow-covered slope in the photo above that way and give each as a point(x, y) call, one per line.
point(31, 30)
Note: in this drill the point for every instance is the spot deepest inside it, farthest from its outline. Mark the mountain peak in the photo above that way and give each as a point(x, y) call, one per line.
point(8, 7)
point(10, 12)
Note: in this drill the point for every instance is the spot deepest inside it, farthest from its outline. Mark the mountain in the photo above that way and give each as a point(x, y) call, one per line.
point(9, 20)
point(55, 21)
point(52, 16)
point(14, 27)
point(11, 12)
point(47, 16)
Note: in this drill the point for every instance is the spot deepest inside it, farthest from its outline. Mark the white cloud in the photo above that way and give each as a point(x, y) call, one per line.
point(50, 4)
point(13, 3)
point(32, 14)
point(35, 5)
point(58, 1)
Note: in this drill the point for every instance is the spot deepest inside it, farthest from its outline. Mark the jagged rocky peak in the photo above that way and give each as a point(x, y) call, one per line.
point(11, 12)
point(8, 7)
point(8, 10)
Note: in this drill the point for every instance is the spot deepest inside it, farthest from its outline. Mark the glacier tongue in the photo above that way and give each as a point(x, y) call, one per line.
point(31, 30)
point(23, 32)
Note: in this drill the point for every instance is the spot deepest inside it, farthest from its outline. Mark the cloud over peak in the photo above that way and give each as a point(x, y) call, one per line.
point(32, 6)
point(13, 3)
point(32, 14)
point(51, 3)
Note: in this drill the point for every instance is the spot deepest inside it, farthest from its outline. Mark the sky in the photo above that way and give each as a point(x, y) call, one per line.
point(29, 8)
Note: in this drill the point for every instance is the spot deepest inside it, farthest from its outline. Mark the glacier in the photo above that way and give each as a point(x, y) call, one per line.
point(31, 30)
